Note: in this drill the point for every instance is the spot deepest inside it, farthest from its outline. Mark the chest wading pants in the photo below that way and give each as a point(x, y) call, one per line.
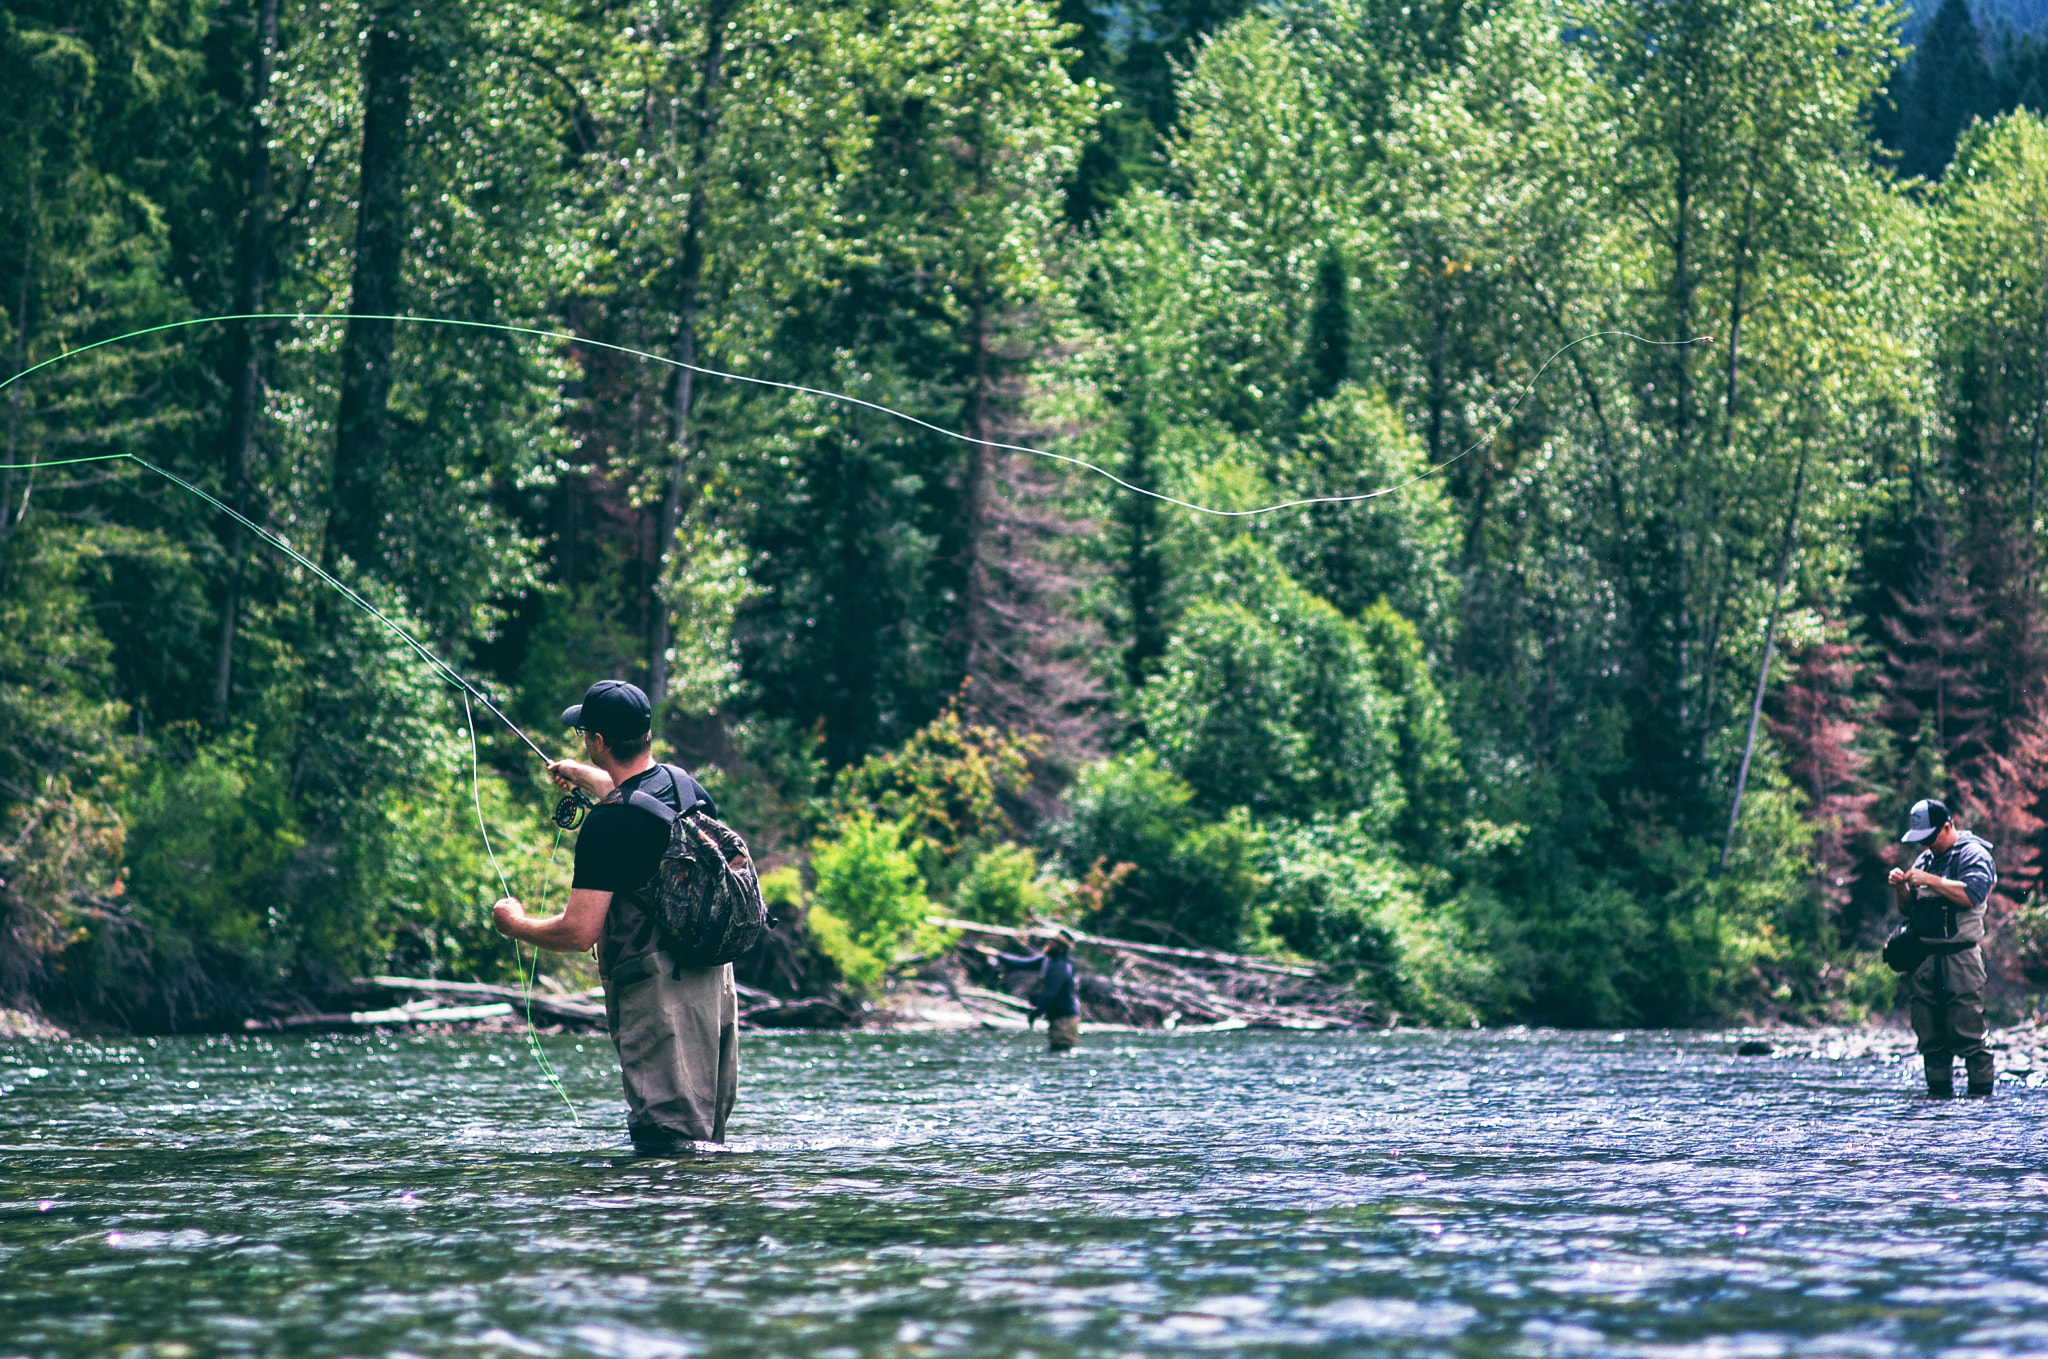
point(678, 1042)
point(1948, 1018)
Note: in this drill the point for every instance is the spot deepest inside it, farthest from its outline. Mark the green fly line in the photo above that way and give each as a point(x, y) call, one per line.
point(440, 667)
point(476, 793)
point(844, 399)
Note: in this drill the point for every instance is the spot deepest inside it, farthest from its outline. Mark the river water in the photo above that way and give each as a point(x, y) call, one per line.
point(967, 1194)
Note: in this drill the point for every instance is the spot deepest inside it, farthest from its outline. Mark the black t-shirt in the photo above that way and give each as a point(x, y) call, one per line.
point(620, 846)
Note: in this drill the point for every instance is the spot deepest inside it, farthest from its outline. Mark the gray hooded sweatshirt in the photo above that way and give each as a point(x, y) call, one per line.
point(1969, 862)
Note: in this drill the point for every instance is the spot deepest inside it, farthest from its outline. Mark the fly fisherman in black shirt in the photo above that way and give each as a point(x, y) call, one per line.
point(1054, 995)
point(676, 1029)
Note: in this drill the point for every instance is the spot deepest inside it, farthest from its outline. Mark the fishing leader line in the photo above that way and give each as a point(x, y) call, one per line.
point(1491, 434)
point(440, 667)
point(476, 793)
point(454, 677)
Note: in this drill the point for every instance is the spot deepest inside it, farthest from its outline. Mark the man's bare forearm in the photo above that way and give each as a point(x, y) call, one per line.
point(554, 933)
point(574, 930)
point(576, 774)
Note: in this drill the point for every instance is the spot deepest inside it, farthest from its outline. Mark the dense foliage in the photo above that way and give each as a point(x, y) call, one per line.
point(1711, 438)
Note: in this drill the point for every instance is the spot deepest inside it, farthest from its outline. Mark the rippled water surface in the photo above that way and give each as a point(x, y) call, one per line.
point(1504, 1193)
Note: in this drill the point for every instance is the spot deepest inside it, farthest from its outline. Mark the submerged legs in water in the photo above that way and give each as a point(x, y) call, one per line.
point(1948, 1019)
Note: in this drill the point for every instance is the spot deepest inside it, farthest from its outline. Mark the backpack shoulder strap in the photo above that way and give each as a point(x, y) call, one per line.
point(652, 805)
point(680, 779)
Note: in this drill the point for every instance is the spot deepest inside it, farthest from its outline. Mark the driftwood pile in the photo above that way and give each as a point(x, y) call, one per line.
point(480, 1003)
point(445, 1002)
point(1157, 986)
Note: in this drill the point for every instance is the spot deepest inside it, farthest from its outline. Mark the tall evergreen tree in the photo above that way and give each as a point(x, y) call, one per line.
point(1820, 722)
point(1937, 92)
point(1935, 644)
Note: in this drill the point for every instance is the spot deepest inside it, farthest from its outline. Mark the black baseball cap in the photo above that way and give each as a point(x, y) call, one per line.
point(1929, 816)
point(614, 709)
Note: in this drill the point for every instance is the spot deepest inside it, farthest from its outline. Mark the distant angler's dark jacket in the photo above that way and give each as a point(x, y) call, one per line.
point(1054, 997)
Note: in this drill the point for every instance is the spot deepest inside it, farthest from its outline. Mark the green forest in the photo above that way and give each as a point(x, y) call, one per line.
point(1701, 345)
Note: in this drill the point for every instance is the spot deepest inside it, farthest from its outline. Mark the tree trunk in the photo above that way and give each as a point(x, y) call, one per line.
point(28, 263)
point(254, 264)
point(1439, 396)
point(696, 218)
point(1734, 369)
point(1763, 670)
point(2040, 405)
point(1682, 306)
point(660, 633)
point(1735, 319)
point(363, 434)
point(1723, 587)
point(1144, 572)
point(979, 457)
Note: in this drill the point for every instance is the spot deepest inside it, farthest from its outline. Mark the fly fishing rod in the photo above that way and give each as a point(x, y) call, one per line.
point(567, 812)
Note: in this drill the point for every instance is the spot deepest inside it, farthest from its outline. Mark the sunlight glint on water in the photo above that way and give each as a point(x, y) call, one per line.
point(967, 1194)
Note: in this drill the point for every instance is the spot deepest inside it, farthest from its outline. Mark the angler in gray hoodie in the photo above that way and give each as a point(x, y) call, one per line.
point(1943, 896)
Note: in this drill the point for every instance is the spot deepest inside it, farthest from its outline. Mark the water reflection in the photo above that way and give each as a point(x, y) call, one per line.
point(1242, 1193)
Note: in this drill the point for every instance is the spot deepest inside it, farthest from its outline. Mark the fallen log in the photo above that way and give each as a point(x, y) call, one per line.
point(1157, 986)
point(1231, 960)
point(1001, 999)
point(444, 1014)
point(757, 1008)
point(427, 1013)
point(555, 1007)
point(811, 1012)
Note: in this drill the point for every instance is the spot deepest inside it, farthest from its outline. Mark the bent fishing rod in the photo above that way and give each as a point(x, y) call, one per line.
point(439, 666)
point(566, 811)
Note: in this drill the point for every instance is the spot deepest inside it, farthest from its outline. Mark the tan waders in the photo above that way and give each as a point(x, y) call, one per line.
point(678, 1042)
point(1061, 1034)
point(1948, 1019)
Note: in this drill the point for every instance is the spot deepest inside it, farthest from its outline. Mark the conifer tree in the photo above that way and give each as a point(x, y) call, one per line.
point(1329, 328)
point(251, 273)
point(1935, 644)
point(702, 128)
point(1998, 794)
point(1935, 94)
point(1820, 722)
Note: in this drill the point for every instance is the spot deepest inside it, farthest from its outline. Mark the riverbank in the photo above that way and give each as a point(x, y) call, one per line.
point(2022, 1049)
point(924, 1005)
point(18, 1026)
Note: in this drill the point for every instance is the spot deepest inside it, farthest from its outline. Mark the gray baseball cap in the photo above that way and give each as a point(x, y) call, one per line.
point(1929, 816)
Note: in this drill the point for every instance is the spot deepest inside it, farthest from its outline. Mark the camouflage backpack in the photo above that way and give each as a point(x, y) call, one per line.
point(705, 896)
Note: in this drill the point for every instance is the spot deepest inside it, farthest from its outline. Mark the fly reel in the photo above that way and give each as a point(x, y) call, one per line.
point(571, 810)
